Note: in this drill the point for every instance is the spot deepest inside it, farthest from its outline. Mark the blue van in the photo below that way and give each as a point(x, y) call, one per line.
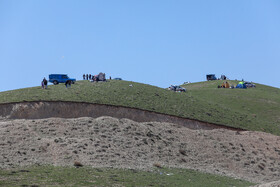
point(60, 78)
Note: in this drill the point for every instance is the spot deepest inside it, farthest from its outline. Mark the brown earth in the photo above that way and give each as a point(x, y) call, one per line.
point(47, 109)
point(123, 143)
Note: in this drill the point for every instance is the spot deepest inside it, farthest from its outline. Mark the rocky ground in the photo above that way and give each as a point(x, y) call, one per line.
point(270, 184)
point(110, 142)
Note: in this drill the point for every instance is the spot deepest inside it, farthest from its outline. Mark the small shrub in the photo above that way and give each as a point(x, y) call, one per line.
point(183, 160)
point(183, 152)
point(78, 164)
point(158, 165)
point(261, 167)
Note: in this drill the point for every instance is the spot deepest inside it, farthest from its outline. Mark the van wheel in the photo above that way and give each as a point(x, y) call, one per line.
point(73, 82)
point(55, 82)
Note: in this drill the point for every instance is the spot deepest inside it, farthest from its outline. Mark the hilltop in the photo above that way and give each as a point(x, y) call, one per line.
point(252, 109)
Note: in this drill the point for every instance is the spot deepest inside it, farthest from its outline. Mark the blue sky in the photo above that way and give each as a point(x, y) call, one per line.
point(157, 42)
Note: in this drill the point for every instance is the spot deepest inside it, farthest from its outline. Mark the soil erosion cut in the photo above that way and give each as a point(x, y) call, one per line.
point(47, 109)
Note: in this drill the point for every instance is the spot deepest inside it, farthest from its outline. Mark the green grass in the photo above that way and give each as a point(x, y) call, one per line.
point(86, 176)
point(252, 109)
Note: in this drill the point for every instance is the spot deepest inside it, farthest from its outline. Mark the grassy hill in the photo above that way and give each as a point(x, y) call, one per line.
point(86, 176)
point(253, 109)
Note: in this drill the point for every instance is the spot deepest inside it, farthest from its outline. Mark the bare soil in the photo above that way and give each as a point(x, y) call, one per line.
point(270, 184)
point(62, 109)
point(123, 143)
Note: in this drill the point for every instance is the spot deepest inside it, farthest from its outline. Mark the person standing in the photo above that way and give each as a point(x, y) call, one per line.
point(87, 76)
point(45, 83)
point(84, 76)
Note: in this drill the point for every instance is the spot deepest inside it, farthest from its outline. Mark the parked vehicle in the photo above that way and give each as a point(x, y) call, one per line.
point(177, 88)
point(118, 78)
point(60, 78)
point(249, 85)
point(211, 77)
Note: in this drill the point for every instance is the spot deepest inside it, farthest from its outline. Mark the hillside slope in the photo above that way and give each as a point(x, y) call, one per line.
point(252, 109)
point(122, 143)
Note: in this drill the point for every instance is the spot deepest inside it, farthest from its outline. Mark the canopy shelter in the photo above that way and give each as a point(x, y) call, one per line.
point(241, 85)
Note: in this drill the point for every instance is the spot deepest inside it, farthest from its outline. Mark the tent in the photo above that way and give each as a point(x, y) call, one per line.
point(223, 77)
point(241, 85)
point(101, 77)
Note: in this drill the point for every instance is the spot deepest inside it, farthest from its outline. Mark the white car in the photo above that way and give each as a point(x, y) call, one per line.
point(177, 88)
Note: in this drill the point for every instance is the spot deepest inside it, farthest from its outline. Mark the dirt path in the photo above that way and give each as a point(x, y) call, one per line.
point(122, 143)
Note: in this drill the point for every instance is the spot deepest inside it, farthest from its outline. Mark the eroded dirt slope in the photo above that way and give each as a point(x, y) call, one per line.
point(122, 143)
point(59, 109)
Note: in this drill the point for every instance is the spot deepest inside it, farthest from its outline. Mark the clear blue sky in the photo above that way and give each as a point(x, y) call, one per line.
point(157, 42)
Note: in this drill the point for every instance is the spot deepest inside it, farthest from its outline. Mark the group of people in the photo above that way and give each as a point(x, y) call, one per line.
point(224, 85)
point(44, 83)
point(87, 76)
point(95, 78)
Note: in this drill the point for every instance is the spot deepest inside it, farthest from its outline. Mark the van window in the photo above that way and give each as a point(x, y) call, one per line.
point(64, 77)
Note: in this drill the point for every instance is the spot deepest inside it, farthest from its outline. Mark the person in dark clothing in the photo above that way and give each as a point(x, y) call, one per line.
point(84, 76)
point(87, 76)
point(68, 84)
point(45, 83)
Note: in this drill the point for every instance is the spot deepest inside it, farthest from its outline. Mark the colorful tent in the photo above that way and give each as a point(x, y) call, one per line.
point(241, 85)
